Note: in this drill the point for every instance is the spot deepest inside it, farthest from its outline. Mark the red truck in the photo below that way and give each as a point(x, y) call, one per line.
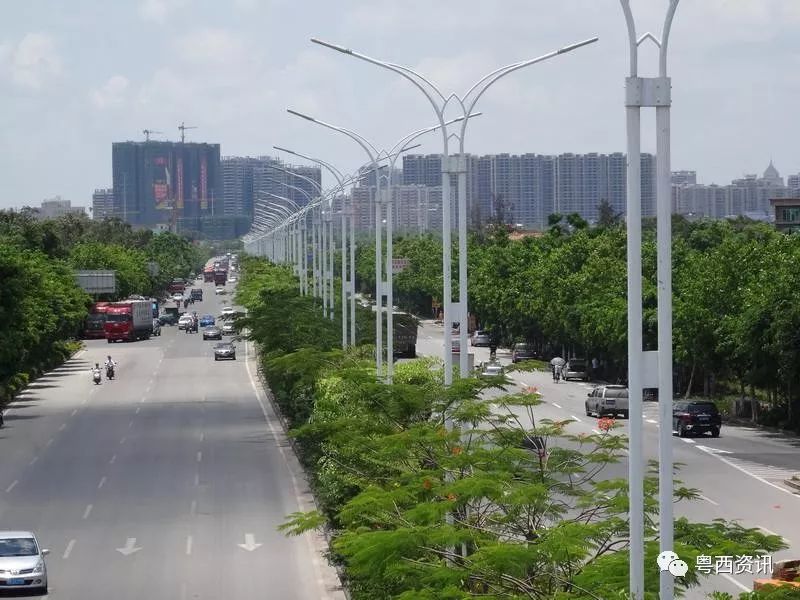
point(94, 325)
point(178, 286)
point(220, 277)
point(208, 275)
point(129, 320)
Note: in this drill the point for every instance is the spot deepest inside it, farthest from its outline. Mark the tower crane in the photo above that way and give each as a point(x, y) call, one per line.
point(182, 128)
point(148, 132)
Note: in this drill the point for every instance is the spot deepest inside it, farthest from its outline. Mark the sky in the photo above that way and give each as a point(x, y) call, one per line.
point(76, 76)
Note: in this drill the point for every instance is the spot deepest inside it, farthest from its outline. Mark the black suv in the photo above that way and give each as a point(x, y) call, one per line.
point(696, 416)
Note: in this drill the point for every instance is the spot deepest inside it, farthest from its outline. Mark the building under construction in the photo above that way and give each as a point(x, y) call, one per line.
point(166, 185)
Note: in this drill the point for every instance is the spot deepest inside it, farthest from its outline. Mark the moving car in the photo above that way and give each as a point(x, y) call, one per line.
point(522, 351)
point(177, 297)
point(22, 562)
point(481, 338)
point(219, 290)
point(455, 345)
point(212, 333)
point(492, 370)
point(228, 329)
point(232, 280)
point(611, 400)
point(576, 368)
point(156, 327)
point(696, 416)
point(228, 310)
point(184, 321)
point(223, 351)
point(207, 320)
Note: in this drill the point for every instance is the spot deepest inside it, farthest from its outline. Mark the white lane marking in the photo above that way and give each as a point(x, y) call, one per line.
point(576, 418)
point(12, 486)
point(63, 427)
point(249, 543)
point(200, 456)
point(709, 500)
point(556, 405)
point(756, 477)
point(653, 421)
point(113, 460)
point(597, 431)
point(142, 400)
point(68, 551)
point(687, 440)
point(33, 461)
point(202, 437)
point(713, 450)
point(197, 479)
point(122, 441)
point(129, 548)
point(74, 412)
point(188, 545)
point(183, 591)
point(102, 482)
point(85, 400)
point(87, 511)
point(138, 408)
point(49, 442)
point(741, 586)
point(130, 425)
point(193, 508)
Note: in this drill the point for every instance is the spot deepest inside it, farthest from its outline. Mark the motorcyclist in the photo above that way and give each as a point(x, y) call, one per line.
point(96, 375)
point(110, 364)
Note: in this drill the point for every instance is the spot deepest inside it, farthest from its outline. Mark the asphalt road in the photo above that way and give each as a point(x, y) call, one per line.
point(166, 483)
point(740, 474)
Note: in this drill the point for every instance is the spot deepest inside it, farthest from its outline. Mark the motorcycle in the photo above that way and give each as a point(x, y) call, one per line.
point(96, 376)
point(109, 371)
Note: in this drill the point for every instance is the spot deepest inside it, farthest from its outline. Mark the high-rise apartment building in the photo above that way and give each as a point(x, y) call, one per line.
point(103, 204)
point(54, 208)
point(159, 183)
point(684, 178)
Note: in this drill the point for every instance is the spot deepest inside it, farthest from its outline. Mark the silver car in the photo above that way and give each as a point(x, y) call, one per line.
point(224, 351)
point(22, 562)
point(228, 329)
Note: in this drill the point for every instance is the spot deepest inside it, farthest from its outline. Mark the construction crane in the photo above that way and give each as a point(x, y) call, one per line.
point(182, 128)
point(148, 132)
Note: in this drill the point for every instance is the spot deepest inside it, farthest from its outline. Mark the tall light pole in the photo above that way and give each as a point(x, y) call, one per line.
point(438, 102)
point(652, 368)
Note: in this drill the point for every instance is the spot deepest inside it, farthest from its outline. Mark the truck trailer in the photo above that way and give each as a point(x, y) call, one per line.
point(220, 277)
point(129, 320)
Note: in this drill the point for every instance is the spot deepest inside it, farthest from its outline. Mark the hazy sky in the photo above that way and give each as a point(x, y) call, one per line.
point(76, 76)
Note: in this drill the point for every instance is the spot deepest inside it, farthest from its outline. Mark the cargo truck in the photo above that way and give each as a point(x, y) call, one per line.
point(94, 325)
point(220, 277)
point(177, 286)
point(208, 275)
point(129, 320)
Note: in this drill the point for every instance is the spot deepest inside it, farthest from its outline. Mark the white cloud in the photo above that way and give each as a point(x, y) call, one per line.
point(111, 94)
point(32, 62)
point(211, 46)
point(159, 10)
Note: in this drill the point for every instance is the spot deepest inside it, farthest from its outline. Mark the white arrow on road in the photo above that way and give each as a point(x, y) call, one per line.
point(249, 542)
point(713, 450)
point(130, 547)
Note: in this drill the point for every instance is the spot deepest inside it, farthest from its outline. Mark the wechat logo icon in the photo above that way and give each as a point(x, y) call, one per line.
point(669, 561)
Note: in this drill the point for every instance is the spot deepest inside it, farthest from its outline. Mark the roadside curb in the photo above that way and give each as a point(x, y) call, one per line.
point(738, 422)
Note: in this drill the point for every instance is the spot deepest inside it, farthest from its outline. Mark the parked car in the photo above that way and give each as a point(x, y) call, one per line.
point(576, 368)
point(228, 329)
point(156, 327)
point(522, 351)
point(184, 321)
point(696, 416)
point(207, 320)
point(212, 333)
point(22, 565)
point(223, 351)
point(481, 338)
point(611, 400)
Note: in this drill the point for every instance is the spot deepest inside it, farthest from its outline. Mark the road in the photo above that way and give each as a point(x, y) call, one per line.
point(740, 474)
point(166, 483)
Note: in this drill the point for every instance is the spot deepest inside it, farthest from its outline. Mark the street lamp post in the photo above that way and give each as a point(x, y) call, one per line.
point(652, 368)
point(439, 103)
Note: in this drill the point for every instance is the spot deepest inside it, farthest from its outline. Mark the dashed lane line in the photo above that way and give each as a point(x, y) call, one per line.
point(12, 486)
point(188, 545)
point(68, 550)
point(709, 500)
point(33, 461)
point(200, 456)
point(113, 460)
point(87, 511)
point(74, 412)
point(193, 508)
point(578, 419)
point(62, 427)
point(556, 405)
point(102, 482)
point(738, 584)
point(122, 441)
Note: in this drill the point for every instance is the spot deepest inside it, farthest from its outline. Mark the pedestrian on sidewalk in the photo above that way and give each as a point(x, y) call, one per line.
point(595, 367)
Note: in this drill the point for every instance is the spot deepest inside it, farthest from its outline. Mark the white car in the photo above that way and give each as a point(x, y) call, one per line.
point(22, 562)
point(232, 280)
point(184, 321)
point(177, 297)
point(219, 290)
point(228, 310)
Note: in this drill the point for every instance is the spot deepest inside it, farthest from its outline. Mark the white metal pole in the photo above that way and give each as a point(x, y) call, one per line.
point(345, 306)
point(463, 316)
point(324, 261)
point(446, 269)
point(389, 285)
point(314, 254)
point(378, 275)
point(635, 358)
point(352, 285)
point(331, 247)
